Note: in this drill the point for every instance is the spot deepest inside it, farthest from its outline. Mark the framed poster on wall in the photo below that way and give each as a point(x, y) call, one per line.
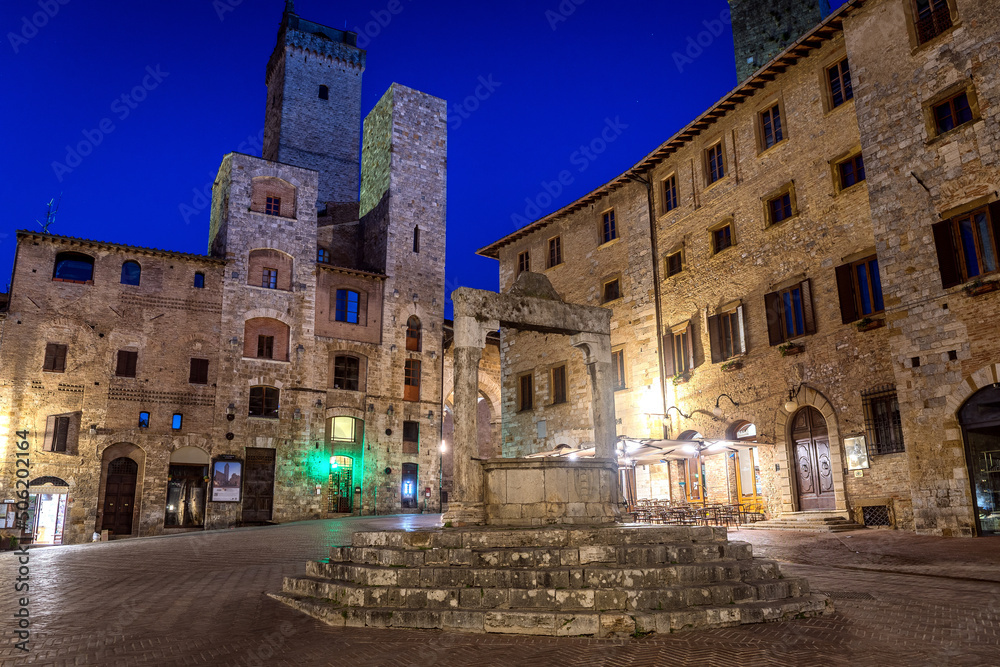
point(226, 481)
point(857, 453)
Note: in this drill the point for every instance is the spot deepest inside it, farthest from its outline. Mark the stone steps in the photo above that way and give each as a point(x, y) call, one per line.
point(595, 576)
point(600, 581)
point(674, 598)
point(818, 524)
point(560, 623)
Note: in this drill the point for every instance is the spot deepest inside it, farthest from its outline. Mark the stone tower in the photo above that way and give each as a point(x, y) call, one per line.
point(314, 104)
point(763, 30)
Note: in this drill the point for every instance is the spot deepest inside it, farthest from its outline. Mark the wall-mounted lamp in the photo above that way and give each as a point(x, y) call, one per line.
point(392, 348)
point(319, 402)
point(231, 409)
point(416, 297)
point(791, 404)
point(674, 407)
point(371, 407)
point(390, 411)
point(93, 429)
point(430, 414)
point(717, 410)
point(300, 349)
point(297, 414)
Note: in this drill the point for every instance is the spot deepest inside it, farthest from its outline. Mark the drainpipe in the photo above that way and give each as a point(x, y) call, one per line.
point(656, 289)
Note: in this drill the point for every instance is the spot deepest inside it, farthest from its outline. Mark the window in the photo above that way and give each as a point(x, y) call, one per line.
point(199, 280)
point(860, 289)
point(932, 17)
point(618, 369)
point(555, 251)
point(675, 263)
point(715, 161)
point(176, 421)
point(525, 393)
point(670, 193)
point(789, 313)
point(55, 358)
point(722, 238)
point(411, 437)
point(770, 127)
point(346, 429)
point(264, 402)
point(131, 272)
point(411, 380)
point(273, 206)
point(265, 347)
point(323, 255)
point(346, 373)
point(967, 245)
point(347, 306)
point(73, 267)
point(324, 93)
point(779, 208)
point(841, 88)
point(413, 334)
point(882, 423)
point(612, 290)
point(559, 384)
point(679, 355)
point(126, 363)
point(199, 371)
point(952, 113)
point(727, 335)
point(269, 278)
point(609, 229)
point(143, 420)
point(58, 433)
point(416, 239)
point(851, 171)
point(523, 262)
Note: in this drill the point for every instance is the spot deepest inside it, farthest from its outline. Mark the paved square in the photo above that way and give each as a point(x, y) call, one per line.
point(199, 599)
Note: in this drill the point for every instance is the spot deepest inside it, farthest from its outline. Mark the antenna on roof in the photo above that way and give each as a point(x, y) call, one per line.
point(50, 214)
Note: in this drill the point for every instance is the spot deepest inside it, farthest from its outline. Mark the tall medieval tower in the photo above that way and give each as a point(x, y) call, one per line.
point(314, 104)
point(762, 32)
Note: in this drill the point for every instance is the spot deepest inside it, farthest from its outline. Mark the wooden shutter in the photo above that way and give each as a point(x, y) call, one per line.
point(126, 363)
point(845, 287)
point(995, 218)
point(715, 338)
point(60, 358)
point(951, 272)
point(743, 329)
point(51, 352)
point(61, 434)
point(772, 304)
point(808, 315)
point(50, 432)
point(668, 355)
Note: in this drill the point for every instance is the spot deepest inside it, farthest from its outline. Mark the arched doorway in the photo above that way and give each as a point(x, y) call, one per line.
point(119, 496)
point(813, 467)
point(980, 420)
point(46, 510)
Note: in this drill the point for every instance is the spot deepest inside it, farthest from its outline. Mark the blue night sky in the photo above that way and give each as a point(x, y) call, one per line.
point(557, 78)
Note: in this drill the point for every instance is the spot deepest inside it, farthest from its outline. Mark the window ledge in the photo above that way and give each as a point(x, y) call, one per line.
point(265, 360)
point(261, 418)
point(73, 282)
point(772, 225)
point(712, 185)
point(554, 266)
point(832, 110)
point(716, 253)
point(766, 151)
point(936, 38)
point(612, 302)
point(269, 215)
point(852, 188)
point(944, 136)
point(610, 243)
point(983, 287)
point(269, 290)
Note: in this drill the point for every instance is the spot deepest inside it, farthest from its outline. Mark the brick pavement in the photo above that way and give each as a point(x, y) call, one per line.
point(198, 599)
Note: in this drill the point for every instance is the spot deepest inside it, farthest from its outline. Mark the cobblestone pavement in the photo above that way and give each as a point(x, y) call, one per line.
point(198, 599)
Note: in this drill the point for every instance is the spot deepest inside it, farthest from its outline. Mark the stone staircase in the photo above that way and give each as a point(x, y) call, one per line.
point(599, 581)
point(819, 522)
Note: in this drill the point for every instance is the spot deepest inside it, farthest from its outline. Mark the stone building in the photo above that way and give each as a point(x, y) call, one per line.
point(294, 371)
point(801, 279)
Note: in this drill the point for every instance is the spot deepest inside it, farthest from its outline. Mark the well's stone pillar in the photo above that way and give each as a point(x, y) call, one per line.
point(597, 352)
point(465, 505)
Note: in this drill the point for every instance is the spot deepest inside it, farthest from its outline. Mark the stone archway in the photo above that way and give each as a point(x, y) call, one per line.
point(117, 454)
point(785, 458)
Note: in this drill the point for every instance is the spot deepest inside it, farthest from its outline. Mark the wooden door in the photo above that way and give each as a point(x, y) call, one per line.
point(258, 485)
point(341, 487)
point(119, 496)
point(813, 467)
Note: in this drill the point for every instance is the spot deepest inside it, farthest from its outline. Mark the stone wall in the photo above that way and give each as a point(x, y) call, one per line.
point(761, 32)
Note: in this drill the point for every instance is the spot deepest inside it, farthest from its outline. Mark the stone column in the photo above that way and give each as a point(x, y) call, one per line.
point(597, 352)
point(465, 504)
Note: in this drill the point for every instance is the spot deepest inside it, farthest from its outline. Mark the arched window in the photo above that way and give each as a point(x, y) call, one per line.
point(131, 273)
point(416, 239)
point(199, 280)
point(265, 338)
point(264, 402)
point(73, 267)
point(271, 269)
point(324, 93)
point(413, 334)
